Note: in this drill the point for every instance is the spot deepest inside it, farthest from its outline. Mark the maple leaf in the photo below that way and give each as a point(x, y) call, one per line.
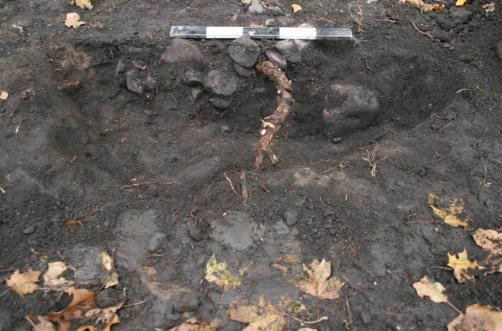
point(194, 324)
point(84, 4)
point(477, 318)
point(73, 20)
point(319, 282)
point(450, 215)
point(261, 316)
point(52, 277)
point(491, 242)
point(433, 290)
point(24, 283)
point(461, 266)
point(435, 7)
point(219, 274)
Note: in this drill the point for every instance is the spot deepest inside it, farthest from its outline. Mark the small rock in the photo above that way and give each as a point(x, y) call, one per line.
point(225, 129)
point(121, 67)
point(242, 71)
point(289, 50)
point(291, 217)
point(349, 108)
point(276, 58)
point(156, 241)
point(220, 103)
point(108, 297)
point(281, 228)
point(221, 82)
point(498, 49)
point(183, 51)
point(194, 232)
point(244, 51)
point(460, 14)
point(193, 77)
point(275, 11)
point(271, 22)
point(336, 140)
point(140, 81)
point(196, 92)
point(255, 7)
point(29, 230)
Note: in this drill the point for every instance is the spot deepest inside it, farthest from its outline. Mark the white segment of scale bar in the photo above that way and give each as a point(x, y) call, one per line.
point(298, 33)
point(217, 32)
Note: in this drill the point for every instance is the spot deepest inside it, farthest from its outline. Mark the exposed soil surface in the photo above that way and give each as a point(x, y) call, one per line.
point(137, 136)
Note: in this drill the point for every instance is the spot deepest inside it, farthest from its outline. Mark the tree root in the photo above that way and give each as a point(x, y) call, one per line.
point(271, 124)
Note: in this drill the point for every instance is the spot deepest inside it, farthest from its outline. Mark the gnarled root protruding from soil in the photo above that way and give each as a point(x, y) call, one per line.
point(271, 124)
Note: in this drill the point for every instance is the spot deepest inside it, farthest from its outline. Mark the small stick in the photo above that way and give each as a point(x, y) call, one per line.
point(231, 184)
point(150, 183)
point(348, 311)
point(244, 186)
point(4, 292)
point(2, 190)
point(428, 34)
point(455, 308)
point(324, 318)
point(134, 304)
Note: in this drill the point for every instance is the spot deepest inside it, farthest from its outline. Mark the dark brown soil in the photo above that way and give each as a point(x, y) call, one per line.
point(73, 137)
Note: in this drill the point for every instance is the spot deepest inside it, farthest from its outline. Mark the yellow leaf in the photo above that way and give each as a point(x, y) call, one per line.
point(73, 20)
point(24, 283)
point(219, 274)
point(84, 4)
point(52, 277)
point(461, 2)
point(477, 318)
point(491, 242)
point(461, 266)
point(318, 281)
point(194, 324)
point(434, 291)
point(260, 316)
point(296, 7)
point(450, 215)
point(4, 95)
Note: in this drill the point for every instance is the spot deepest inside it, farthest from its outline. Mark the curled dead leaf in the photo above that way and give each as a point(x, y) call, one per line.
point(461, 266)
point(450, 215)
point(296, 7)
point(84, 4)
point(194, 324)
point(53, 279)
point(24, 283)
point(491, 242)
point(260, 316)
point(318, 281)
point(435, 7)
point(219, 274)
point(73, 20)
point(431, 289)
point(112, 278)
point(477, 318)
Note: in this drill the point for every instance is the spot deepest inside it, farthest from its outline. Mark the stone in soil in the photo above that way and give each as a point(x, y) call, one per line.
point(156, 241)
point(244, 51)
point(291, 217)
point(292, 49)
point(220, 103)
point(281, 228)
point(140, 81)
point(193, 77)
point(498, 49)
point(255, 7)
point(236, 230)
point(183, 51)
point(29, 230)
point(460, 15)
point(349, 108)
point(276, 58)
point(243, 72)
point(221, 82)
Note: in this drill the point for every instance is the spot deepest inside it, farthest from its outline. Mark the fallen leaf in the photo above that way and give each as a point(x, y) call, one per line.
point(425, 287)
point(107, 261)
point(306, 329)
point(52, 277)
point(489, 7)
point(194, 324)
point(450, 215)
point(86, 328)
point(261, 316)
point(219, 274)
point(256, 25)
point(435, 7)
point(318, 281)
point(115, 320)
point(73, 223)
point(246, 2)
point(82, 301)
point(460, 3)
point(297, 307)
point(112, 277)
point(477, 318)
point(107, 315)
point(491, 242)
point(84, 4)
point(296, 7)
point(24, 283)
point(461, 266)
point(4, 95)
point(73, 20)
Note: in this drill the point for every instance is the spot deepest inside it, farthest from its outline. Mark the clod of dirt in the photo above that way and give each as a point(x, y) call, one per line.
point(290, 50)
point(290, 217)
point(276, 58)
point(220, 103)
point(193, 77)
point(221, 82)
point(183, 51)
point(236, 230)
point(460, 15)
point(244, 51)
point(155, 241)
point(140, 81)
point(349, 108)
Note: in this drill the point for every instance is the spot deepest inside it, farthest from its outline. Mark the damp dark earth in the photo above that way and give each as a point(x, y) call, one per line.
point(129, 157)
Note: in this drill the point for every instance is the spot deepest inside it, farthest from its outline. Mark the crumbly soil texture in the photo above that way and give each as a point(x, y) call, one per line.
point(150, 143)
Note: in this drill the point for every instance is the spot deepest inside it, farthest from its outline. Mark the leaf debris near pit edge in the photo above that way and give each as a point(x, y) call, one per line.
point(219, 274)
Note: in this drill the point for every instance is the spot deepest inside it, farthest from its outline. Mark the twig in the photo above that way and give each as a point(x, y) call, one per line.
point(150, 183)
point(2, 190)
point(425, 33)
point(455, 308)
point(4, 292)
point(244, 186)
point(324, 318)
point(230, 183)
point(373, 159)
point(33, 324)
point(350, 324)
point(134, 304)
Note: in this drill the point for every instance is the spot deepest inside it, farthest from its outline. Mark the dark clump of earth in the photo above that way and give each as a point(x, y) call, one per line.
point(150, 142)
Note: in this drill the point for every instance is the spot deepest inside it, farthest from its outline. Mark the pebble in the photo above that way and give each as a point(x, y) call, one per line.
point(193, 77)
point(289, 50)
point(220, 103)
point(244, 51)
point(255, 7)
point(281, 228)
point(120, 68)
point(336, 140)
point(498, 49)
point(349, 108)
point(290, 217)
point(221, 82)
point(183, 51)
point(276, 58)
point(29, 230)
point(156, 241)
point(271, 22)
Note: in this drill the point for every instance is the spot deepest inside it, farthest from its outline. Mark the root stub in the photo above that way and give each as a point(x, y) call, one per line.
point(271, 124)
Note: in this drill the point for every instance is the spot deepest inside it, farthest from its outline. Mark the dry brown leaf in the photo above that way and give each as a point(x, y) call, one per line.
point(84, 4)
point(219, 274)
point(318, 281)
point(52, 277)
point(435, 7)
point(306, 329)
point(450, 215)
point(426, 287)
point(4, 95)
point(113, 277)
point(194, 324)
point(461, 266)
point(491, 242)
point(477, 318)
point(261, 316)
point(24, 283)
point(86, 328)
point(73, 20)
